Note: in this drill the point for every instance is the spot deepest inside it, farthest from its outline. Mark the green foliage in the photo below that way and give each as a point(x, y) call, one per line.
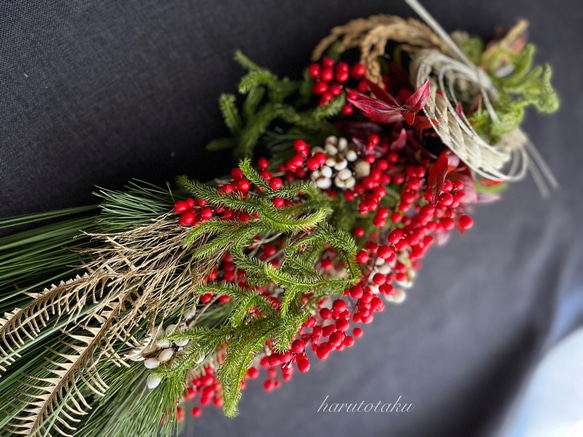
point(254, 319)
point(266, 106)
point(524, 87)
point(473, 48)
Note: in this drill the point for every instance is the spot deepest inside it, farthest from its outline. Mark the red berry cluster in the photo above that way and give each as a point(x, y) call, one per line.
point(396, 220)
point(329, 79)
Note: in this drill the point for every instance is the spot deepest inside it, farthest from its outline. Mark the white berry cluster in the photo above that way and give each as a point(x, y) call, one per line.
point(343, 165)
point(156, 349)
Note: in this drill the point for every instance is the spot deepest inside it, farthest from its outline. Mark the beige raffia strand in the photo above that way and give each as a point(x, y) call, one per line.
point(436, 57)
point(371, 35)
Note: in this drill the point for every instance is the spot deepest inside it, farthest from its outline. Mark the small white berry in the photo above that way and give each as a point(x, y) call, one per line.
point(331, 150)
point(344, 174)
point(165, 355)
point(181, 343)
point(349, 183)
point(326, 171)
point(163, 344)
point(351, 155)
point(151, 363)
point(153, 381)
point(324, 183)
point(342, 143)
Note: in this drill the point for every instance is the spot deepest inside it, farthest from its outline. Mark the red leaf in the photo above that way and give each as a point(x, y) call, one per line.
point(409, 117)
point(375, 110)
point(488, 182)
point(418, 100)
point(437, 176)
point(399, 143)
point(422, 123)
point(381, 93)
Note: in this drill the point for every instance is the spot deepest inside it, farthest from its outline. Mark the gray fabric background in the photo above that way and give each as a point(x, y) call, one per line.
point(98, 92)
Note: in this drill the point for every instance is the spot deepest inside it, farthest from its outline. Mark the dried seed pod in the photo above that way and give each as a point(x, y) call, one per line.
point(351, 155)
point(181, 343)
point(339, 182)
point(344, 174)
point(190, 313)
point(150, 349)
point(151, 363)
point(165, 355)
point(330, 149)
point(342, 144)
point(163, 344)
point(326, 171)
point(361, 169)
point(349, 183)
point(153, 381)
point(332, 139)
point(170, 330)
point(317, 149)
point(341, 163)
point(324, 183)
point(397, 297)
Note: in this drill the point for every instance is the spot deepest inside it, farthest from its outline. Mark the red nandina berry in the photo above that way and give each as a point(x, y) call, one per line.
point(180, 206)
point(327, 264)
point(371, 246)
point(244, 217)
point(322, 352)
point(379, 222)
point(295, 162)
point(319, 88)
point(327, 74)
point(348, 341)
point(274, 360)
point(314, 70)
point(448, 223)
point(326, 98)
point(196, 412)
point(342, 66)
point(385, 252)
point(243, 185)
point(268, 385)
point(237, 174)
point(313, 163)
point(370, 159)
point(336, 90)
point(252, 372)
point(186, 218)
point(445, 199)
point(303, 365)
point(376, 303)
point(373, 139)
point(262, 164)
point(328, 330)
point(357, 71)
point(379, 279)
point(342, 76)
point(362, 257)
point(225, 299)
point(300, 146)
point(338, 306)
point(342, 325)
point(298, 346)
point(325, 313)
point(275, 183)
point(328, 62)
point(278, 202)
point(347, 109)
point(336, 338)
point(465, 221)
point(386, 289)
point(396, 235)
point(401, 244)
point(357, 332)
point(310, 322)
point(358, 232)
point(362, 86)
point(447, 186)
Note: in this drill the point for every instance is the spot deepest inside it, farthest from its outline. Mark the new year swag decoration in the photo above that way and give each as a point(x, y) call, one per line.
point(118, 315)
